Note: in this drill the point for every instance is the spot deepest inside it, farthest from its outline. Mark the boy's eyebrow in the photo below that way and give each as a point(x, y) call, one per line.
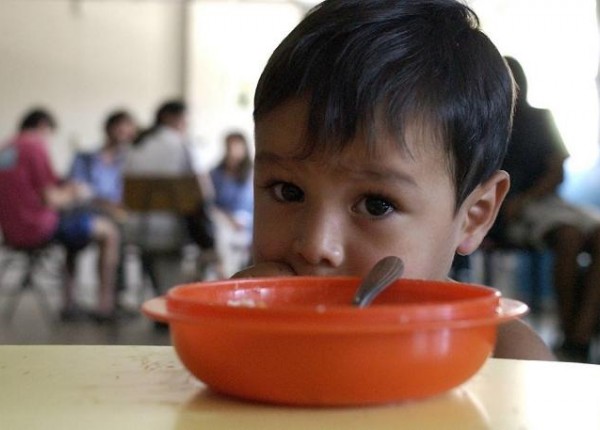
point(375, 173)
point(381, 174)
point(268, 156)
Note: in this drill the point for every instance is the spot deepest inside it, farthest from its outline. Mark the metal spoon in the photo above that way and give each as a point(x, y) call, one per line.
point(385, 271)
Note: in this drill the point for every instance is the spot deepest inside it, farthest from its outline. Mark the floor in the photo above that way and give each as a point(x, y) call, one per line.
point(30, 326)
point(35, 323)
point(35, 319)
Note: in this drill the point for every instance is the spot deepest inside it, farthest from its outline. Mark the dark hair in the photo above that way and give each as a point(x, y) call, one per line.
point(245, 168)
point(365, 63)
point(36, 118)
point(168, 109)
point(115, 118)
point(519, 77)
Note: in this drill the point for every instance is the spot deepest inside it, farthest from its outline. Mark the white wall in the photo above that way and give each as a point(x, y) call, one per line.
point(557, 44)
point(83, 58)
point(229, 45)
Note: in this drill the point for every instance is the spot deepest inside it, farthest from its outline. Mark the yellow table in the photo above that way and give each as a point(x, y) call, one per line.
point(133, 387)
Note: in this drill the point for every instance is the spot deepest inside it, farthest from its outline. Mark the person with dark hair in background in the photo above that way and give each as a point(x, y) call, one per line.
point(169, 129)
point(234, 201)
point(36, 208)
point(164, 150)
point(102, 172)
point(534, 215)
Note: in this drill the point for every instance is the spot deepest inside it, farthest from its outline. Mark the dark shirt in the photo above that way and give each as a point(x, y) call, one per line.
point(534, 141)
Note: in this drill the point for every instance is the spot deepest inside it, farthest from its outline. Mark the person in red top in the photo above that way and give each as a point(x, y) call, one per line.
point(36, 208)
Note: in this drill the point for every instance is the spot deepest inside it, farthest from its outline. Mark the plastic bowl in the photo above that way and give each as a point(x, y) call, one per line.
point(297, 341)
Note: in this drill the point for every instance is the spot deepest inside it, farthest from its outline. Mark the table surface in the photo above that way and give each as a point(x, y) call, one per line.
point(146, 387)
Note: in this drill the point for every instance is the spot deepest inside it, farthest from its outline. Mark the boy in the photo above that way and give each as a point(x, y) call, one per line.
point(380, 128)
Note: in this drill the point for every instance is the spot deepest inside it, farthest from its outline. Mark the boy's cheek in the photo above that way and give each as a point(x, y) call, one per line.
point(271, 237)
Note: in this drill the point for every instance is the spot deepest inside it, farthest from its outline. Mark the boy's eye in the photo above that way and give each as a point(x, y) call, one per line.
point(286, 192)
point(375, 206)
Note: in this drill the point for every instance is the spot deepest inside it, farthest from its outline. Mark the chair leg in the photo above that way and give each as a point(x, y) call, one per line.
point(43, 302)
point(25, 284)
point(12, 304)
point(536, 258)
point(13, 300)
point(148, 269)
point(488, 267)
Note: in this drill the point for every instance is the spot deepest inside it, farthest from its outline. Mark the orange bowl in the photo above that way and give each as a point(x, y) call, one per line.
point(298, 341)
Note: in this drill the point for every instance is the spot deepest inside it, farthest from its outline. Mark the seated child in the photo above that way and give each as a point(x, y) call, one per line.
point(380, 129)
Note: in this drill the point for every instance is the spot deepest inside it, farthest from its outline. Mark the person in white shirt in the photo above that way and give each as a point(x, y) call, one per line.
point(164, 150)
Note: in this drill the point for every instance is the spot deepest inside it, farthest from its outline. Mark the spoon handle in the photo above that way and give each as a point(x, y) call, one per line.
point(385, 271)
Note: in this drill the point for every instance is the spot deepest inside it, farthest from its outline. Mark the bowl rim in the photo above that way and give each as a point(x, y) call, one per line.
point(485, 309)
point(485, 304)
point(508, 309)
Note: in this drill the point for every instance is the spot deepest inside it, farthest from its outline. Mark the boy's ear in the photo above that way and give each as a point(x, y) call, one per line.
point(480, 210)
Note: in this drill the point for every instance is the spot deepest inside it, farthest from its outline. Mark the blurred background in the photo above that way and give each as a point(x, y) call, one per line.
point(82, 58)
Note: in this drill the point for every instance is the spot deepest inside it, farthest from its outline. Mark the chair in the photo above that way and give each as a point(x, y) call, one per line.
point(180, 195)
point(145, 195)
point(34, 262)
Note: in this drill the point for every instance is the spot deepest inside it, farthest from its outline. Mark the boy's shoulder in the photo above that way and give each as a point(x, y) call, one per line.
point(517, 340)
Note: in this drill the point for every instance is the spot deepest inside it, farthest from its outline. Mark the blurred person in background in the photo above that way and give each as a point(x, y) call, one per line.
point(102, 172)
point(535, 215)
point(164, 150)
point(37, 208)
point(234, 200)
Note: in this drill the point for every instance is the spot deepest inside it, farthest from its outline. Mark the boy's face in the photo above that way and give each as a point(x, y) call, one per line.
point(338, 215)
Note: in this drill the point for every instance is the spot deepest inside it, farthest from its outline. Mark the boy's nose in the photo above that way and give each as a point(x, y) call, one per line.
point(320, 240)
